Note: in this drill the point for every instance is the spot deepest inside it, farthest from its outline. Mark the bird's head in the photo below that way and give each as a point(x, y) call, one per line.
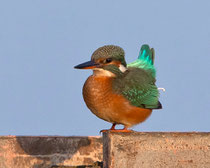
point(108, 60)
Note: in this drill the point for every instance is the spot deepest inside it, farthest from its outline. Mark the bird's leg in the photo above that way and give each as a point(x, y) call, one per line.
point(112, 128)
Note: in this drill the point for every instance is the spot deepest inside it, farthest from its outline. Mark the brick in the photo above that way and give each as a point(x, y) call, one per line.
point(46, 151)
point(156, 150)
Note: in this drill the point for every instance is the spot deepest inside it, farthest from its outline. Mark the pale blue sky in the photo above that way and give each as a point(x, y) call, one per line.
point(42, 40)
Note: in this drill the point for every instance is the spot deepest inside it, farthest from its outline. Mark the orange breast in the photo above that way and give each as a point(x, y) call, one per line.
point(107, 105)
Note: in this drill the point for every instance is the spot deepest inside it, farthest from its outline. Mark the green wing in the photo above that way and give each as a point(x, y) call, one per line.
point(138, 86)
point(143, 96)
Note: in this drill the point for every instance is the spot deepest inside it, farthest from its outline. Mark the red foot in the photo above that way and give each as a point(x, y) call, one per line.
point(112, 129)
point(116, 130)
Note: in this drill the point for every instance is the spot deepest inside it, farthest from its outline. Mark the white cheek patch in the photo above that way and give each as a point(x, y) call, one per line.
point(122, 68)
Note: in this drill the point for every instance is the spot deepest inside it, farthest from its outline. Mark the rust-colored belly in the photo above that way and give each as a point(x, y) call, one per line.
point(104, 103)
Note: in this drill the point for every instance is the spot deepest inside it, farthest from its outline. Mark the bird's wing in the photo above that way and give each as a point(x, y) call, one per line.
point(139, 88)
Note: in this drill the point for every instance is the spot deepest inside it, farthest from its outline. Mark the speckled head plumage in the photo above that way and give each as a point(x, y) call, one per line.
point(108, 60)
point(112, 52)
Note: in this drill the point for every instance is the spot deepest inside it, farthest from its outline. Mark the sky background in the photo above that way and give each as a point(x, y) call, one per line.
point(41, 42)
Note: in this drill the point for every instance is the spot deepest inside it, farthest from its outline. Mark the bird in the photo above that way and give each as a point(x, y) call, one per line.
point(118, 92)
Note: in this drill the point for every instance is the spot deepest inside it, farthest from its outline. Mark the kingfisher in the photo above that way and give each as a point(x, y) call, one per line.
point(118, 92)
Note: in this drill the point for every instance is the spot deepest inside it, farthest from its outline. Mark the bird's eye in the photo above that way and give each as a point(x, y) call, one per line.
point(108, 60)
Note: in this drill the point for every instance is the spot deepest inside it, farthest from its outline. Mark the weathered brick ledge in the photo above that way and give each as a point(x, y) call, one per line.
point(156, 150)
point(117, 150)
point(49, 151)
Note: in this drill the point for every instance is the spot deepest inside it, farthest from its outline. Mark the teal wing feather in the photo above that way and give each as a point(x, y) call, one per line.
point(145, 60)
point(138, 86)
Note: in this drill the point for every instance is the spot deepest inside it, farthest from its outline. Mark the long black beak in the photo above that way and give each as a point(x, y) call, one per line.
point(87, 65)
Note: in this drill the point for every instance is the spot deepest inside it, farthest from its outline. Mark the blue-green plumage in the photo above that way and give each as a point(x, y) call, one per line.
point(145, 60)
point(137, 84)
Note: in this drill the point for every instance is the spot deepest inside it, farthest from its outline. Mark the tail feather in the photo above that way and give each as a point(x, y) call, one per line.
point(147, 54)
point(145, 60)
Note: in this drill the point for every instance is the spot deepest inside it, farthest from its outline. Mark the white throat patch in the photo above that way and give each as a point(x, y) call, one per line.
point(102, 72)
